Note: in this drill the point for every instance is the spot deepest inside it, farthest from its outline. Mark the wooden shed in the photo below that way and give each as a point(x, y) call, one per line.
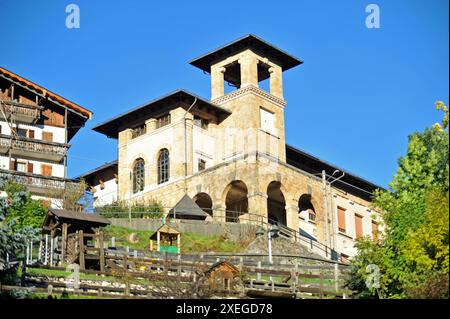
point(72, 236)
point(221, 275)
point(165, 238)
point(186, 208)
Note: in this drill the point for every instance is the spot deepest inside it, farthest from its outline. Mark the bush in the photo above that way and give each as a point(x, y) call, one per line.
point(121, 209)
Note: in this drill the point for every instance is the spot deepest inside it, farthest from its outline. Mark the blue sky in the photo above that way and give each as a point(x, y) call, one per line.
point(353, 102)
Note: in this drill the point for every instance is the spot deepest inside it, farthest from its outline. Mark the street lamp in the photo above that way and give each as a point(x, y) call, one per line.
point(273, 232)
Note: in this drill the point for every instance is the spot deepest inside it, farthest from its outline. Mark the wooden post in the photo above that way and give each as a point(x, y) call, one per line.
point(64, 243)
point(258, 274)
point(27, 253)
point(81, 242)
point(51, 250)
point(158, 237)
point(179, 243)
point(151, 244)
point(46, 250)
point(321, 285)
point(40, 250)
point(102, 251)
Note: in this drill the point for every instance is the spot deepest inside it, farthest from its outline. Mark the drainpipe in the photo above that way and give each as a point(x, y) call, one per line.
point(185, 144)
point(333, 237)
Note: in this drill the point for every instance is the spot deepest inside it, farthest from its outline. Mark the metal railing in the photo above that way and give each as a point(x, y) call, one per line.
point(237, 217)
point(32, 145)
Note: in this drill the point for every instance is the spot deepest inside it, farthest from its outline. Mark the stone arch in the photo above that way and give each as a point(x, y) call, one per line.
point(307, 207)
point(276, 203)
point(204, 201)
point(236, 201)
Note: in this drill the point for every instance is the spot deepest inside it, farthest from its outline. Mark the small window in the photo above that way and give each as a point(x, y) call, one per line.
point(311, 215)
point(267, 121)
point(21, 132)
point(138, 131)
point(47, 136)
point(200, 122)
point(21, 167)
point(46, 170)
point(201, 164)
point(345, 258)
point(163, 120)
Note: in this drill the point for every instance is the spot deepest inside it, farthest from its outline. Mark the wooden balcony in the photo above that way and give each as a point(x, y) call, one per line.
point(19, 112)
point(38, 184)
point(33, 149)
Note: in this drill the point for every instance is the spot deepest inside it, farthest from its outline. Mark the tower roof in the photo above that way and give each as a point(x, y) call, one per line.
point(250, 41)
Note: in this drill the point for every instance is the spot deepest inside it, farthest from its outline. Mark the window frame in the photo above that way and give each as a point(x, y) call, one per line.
point(138, 175)
point(163, 166)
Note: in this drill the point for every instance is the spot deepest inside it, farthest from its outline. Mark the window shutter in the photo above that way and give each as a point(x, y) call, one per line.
point(47, 136)
point(341, 219)
point(30, 133)
point(46, 170)
point(30, 167)
point(358, 226)
point(375, 230)
point(12, 165)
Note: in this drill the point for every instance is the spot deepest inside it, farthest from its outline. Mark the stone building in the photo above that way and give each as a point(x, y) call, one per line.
point(229, 153)
point(36, 126)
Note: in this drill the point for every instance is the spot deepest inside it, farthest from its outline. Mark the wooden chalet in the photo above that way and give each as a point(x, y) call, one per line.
point(221, 275)
point(74, 237)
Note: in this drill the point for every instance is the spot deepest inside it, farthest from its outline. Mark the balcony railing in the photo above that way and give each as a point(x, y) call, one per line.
point(20, 112)
point(39, 184)
point(32, 148)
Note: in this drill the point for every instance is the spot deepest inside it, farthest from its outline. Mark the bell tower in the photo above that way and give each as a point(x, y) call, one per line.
point(257, 117)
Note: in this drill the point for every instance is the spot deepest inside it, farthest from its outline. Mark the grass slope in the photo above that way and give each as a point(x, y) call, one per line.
point(190, 242)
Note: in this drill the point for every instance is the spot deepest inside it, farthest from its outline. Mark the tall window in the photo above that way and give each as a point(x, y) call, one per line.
point(138, 175)
point(358, 225)
point(163, 166)
point(341, 219)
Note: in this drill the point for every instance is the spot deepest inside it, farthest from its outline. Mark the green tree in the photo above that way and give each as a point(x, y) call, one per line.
point(415, 241)
point(26, 211)
point(14, 234)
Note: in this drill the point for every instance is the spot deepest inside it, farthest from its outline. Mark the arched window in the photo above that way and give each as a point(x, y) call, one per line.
point(163, 166)
point(138, 175)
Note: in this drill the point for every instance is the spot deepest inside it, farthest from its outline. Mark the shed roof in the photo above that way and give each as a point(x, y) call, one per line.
point(226, 263)
point(187, 207)
point(165, 229)
point(79, 216)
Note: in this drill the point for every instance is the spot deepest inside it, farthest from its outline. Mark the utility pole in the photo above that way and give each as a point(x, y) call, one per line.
point(325, 207)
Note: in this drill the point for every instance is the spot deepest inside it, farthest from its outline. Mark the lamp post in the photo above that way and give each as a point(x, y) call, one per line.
point(273, 232)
